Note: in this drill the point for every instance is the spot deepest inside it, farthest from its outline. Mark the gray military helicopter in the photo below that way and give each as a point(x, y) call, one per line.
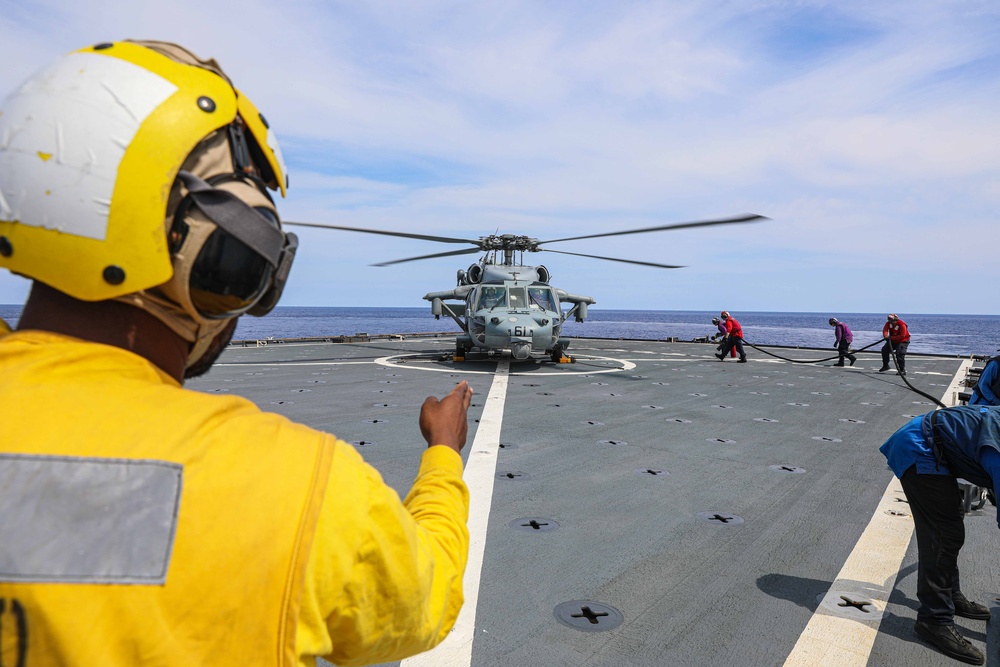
point(509, 306)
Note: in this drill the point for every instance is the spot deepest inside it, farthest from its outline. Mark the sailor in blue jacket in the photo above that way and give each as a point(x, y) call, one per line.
point(927, 454)
point(987, 390)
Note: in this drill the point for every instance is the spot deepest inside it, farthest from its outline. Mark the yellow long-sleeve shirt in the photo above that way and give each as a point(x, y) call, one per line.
point(144, 523)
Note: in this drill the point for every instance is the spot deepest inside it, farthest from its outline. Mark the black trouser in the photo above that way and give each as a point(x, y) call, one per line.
point(899, 349)
point(844, 348)
point(728, 344)
point(936, 504)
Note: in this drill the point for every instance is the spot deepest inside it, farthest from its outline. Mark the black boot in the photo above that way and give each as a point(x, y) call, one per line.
point(720, 357)
point(852, 358)
point(742, 360)
point(946, 639)
point(968, 609)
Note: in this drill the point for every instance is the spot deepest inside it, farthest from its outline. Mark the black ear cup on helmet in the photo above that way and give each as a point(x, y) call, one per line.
point(243, 264)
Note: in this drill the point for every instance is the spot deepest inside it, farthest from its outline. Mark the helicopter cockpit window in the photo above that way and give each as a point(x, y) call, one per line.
point(517, 298)
point(492, 297)
point(540, 298)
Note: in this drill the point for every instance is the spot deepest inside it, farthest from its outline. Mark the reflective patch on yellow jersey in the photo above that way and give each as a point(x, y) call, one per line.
point(87, 520)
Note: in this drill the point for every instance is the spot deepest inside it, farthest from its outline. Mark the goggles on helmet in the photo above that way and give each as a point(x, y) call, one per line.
point(244, 263)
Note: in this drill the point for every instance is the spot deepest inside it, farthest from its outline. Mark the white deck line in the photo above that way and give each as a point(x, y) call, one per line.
point(480, 473)
point(873, 565)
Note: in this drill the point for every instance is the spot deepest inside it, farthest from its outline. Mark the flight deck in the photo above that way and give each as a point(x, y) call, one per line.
point(648, 504)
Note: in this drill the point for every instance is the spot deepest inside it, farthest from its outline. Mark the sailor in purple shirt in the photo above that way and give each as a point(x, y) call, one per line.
point(843, 341)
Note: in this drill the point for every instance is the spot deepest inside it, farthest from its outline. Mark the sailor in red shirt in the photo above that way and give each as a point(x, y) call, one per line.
point(897, 338)
point(734, 337)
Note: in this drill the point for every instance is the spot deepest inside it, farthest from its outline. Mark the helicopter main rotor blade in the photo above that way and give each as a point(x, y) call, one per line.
point(614, 259)
point(467, 251)
point(750, 217)
point(424, 237)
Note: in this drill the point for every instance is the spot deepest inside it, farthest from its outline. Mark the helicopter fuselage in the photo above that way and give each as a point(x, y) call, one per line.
point(509, 309)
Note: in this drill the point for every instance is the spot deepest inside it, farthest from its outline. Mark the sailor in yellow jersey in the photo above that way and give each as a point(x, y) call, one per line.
point(142, 523)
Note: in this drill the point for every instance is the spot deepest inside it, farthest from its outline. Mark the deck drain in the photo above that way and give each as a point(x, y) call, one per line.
point(534, 524)
point(662, 384)
point(760, 393)
point(545, 393)
point(375, 421)
point(785, 384)
point(599, 384)
point(651, 472)
point(849, 604)
point(800, 405)
point(724, 407)
point(282, 402)
point(639, 377)
point(790, 470)
point(513, 474)
point(910, 416)
point(765, 419)
point(220, 389)
point(720, 518)
point(588, 616)
point(388, 381)
point(532, 385)
point(896, 512)
point(820, 393)
point(555, 405)
point(593, 423)
point(875, 405)
point(383, 405)
point(761, 377)
point(826, 438)
point(724, 441)
point(678, 420)
point(615, 443)
point(381, 391)
point(653, 407)
point(852, 421)
point(615, 395)
point(700, 395)
point(507, 446)
point(363, 443)
point(922, 403)
point(300, 391)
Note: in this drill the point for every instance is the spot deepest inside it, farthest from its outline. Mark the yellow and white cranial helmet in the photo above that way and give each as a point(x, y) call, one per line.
point(90, 149)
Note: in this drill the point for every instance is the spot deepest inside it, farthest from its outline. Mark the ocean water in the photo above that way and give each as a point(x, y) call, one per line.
point(959, 335)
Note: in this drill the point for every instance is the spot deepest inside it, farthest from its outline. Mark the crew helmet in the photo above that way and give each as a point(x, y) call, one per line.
point(833, 321)
point(724, 315)
point(892, 317)
point(715, 320)
point(137, 171)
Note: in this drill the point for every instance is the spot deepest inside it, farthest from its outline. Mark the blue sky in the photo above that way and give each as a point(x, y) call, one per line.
point(868, 132)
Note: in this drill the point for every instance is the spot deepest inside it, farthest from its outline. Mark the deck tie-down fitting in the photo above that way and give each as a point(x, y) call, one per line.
point(857, 604)
point(591, 616)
